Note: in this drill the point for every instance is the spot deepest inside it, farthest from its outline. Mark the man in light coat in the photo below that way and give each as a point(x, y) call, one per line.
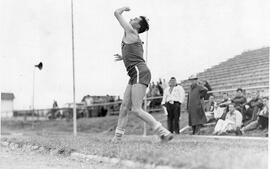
point(173, 97)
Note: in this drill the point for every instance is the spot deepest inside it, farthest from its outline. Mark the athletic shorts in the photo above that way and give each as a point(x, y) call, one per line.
point(140, 74)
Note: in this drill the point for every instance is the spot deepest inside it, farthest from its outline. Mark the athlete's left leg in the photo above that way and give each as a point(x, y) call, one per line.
point(123, 115)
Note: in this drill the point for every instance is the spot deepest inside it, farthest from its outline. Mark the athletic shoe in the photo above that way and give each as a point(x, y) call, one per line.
point(164, 134)
point(239, 132)
point(166, 138)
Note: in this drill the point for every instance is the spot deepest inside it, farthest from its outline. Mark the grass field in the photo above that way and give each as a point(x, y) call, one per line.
point(86, 125)
point(101, 125)
point(185, 151)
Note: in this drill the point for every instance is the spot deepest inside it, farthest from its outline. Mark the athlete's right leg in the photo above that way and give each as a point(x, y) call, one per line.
point(137, 95)
point(123, 115)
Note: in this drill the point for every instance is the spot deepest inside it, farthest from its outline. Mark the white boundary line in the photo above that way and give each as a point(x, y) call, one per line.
point(232, 137)
point(224, 137)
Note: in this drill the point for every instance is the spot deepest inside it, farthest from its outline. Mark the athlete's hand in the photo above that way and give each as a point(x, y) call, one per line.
point(126, 8)
point(118, 57)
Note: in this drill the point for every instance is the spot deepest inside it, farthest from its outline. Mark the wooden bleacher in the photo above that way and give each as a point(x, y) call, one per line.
point(249, 70)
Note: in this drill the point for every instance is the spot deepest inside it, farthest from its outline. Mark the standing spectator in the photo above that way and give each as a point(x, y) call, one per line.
point(88, 101)
point(208, 87)
point(155, 93)
point(55, 105)
point(53, 113)
point(153, 85)
point(148, 94)
point(159, 86)
point(173, 97)
point(232, 122)
point(194, 105)
point(240, 100)
point(164, 84)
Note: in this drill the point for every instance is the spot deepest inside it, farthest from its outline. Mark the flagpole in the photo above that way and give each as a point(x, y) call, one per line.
point(73, 75)
point(33, 98)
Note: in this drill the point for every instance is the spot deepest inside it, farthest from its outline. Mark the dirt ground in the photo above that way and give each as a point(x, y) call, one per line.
point(16, 159)
point(192, 152)
point(185, 151)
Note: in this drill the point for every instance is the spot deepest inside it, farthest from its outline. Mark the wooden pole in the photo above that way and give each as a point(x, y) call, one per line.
point(145, 99)
point(73, 74)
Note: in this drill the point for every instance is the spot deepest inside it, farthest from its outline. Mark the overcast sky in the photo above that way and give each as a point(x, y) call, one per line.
point(185, 37)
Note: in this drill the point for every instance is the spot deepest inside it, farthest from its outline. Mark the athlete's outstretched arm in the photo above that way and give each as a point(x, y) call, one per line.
point(118, 14)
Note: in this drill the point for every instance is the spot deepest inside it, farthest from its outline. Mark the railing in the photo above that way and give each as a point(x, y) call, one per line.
point(37, 111)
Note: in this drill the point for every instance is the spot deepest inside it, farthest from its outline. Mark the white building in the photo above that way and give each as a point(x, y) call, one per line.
point(7, 104)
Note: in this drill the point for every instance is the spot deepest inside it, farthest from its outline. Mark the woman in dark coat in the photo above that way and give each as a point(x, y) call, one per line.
point(195, 105)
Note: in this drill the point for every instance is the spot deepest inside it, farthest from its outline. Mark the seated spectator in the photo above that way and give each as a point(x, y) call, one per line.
point(209, 108)
point(222, 107)
point(240, 100)
point(249, 96)
point(261, 120)
point(252, 108)
point(232, 122)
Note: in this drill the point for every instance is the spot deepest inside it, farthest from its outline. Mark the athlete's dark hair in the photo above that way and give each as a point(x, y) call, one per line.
point(239, 89)
point(144, 26)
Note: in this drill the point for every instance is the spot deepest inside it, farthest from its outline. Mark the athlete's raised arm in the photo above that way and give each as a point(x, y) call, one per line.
point(126, 25)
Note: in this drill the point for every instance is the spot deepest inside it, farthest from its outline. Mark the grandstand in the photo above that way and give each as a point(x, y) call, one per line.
point(249, 70)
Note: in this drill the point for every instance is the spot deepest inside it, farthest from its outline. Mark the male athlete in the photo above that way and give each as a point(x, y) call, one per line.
point(140, 77)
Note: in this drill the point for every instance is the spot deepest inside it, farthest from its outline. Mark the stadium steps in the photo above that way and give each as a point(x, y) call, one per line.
point(247, 70)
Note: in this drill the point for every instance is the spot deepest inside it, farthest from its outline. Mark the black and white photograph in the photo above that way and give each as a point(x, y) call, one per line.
point(134, 84)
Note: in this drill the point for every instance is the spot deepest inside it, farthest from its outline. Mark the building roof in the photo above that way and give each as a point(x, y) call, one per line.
point(7, 96)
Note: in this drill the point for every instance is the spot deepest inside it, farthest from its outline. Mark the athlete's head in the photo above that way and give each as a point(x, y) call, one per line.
point(140, 24)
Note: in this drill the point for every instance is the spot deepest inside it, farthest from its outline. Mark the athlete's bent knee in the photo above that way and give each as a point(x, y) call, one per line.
point(136, 110)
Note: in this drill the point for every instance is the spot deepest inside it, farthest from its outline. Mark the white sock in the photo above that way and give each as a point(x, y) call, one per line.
point(119, 133)
point(158, 124)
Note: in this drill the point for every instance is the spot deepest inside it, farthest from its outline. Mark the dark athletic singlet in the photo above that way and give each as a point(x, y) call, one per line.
point(135, 65)
point(132, 55)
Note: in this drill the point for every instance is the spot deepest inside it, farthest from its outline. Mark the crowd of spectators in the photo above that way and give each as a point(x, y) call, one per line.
point(156, 90)
point(238, 114)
